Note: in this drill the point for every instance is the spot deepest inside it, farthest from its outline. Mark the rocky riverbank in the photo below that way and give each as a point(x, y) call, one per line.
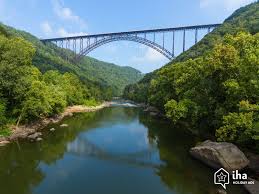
point(228, 156)
point(31, 131)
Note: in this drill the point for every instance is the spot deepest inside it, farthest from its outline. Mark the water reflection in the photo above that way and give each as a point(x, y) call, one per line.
point(115, 150)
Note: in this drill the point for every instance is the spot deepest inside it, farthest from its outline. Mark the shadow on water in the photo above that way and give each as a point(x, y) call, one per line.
point(115, 150)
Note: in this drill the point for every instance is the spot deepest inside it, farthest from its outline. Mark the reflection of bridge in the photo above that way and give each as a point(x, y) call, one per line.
point(82, 45)
point(83, 147)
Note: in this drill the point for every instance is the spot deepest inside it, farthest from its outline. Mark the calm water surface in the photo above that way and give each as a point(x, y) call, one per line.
point(116, 150)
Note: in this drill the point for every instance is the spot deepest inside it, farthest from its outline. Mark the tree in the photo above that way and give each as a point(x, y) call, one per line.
point(221, 88)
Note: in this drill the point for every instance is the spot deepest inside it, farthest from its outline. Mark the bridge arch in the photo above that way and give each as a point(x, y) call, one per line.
point(132, 38)
point(94, 41)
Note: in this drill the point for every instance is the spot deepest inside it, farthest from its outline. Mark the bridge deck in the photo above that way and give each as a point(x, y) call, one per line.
point(135, 32)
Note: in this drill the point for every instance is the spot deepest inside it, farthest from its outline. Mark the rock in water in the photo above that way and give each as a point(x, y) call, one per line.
point(151, 109)
point(4, 143)
point(39, 139)
point(220, 191)
point(52, 129)
point(64, 125)
point(35, 135)
point(218, 155)
point(153, 114)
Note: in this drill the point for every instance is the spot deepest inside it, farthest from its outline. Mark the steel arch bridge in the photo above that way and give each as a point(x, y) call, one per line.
point(83, 45)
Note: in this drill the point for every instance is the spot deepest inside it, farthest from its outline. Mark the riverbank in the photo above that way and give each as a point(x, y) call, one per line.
point(24, 131)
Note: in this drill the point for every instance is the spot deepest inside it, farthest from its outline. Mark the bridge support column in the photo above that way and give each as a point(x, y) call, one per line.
point(196, 35)
point(163, 40)
point(74, 46)
point(183, 40)
point(81, 44)
point(173, 43)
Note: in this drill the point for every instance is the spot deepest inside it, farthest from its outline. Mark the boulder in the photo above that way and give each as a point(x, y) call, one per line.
point(4, 143)
point(70, 114)
point(154, 114)
point(19, 134)
point(35, 136)
point(253, 188)
point(151, 109)
point(218, 155)
point(142, 105)
point(52, 129)
point(39, 139)
point(221, 191)
point(64, 125)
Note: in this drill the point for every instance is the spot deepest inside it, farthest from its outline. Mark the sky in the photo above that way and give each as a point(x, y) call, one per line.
point(59, 18)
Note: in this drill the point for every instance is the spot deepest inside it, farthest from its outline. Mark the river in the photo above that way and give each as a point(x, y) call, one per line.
point(117, 150)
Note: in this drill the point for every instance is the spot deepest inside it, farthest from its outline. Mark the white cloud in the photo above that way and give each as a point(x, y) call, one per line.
point(46, 28)
point(229, 5)
point(66, 13)
point(150, 56)
point(63, 33)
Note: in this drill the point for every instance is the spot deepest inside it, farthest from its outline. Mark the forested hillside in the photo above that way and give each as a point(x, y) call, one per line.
point(214, 85)
point(110, 79)
point(36, 82)
point(26, 94)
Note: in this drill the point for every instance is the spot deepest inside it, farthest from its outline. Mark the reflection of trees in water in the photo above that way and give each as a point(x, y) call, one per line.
point(83, 147)
point(19, 169)
point(180, 172)
point(19, 165)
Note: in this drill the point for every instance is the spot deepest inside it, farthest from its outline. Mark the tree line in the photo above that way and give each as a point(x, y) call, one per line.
point(214, 86)
point(26, 94)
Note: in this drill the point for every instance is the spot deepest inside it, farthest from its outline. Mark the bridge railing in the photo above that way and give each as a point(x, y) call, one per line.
point(84, 44)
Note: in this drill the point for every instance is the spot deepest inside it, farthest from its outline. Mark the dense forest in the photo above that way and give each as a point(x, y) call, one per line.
point(36, 81)
point(107, 79)
point(214, 85)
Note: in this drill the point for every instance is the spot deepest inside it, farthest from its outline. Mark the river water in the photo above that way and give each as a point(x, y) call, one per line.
point(117, 150)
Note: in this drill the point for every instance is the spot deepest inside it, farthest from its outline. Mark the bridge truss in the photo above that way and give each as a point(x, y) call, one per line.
point(83, 45)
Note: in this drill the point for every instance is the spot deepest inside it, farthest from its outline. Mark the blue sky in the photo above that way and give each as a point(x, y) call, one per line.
point(55, 18)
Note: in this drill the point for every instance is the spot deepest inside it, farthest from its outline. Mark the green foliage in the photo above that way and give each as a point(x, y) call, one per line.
point(236, 127)
point(36, 81)
point(215, 83)
point(3, 119)
point(91, 102)
point(16, 70)
point(75, 91)
point(221, 88)
point(181, 110)
point(5, 131)
point(36, 103)
point(103, 79)
point(244, 19)
point(27, 94)
point(108, 75)
point(175, 110)
point(138, 92)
